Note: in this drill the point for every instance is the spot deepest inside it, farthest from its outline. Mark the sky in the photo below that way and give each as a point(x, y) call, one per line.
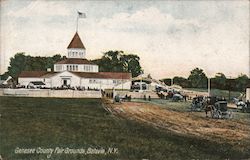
point(170, 37)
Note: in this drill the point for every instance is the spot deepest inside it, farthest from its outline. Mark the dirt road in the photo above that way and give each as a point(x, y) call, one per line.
point(187, 123)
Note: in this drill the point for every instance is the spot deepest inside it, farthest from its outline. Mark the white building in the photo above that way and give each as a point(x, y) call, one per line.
point(76, 71)
point(248, 94)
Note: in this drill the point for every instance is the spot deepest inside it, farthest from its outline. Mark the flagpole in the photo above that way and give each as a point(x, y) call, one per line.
point(77, 22)
point(209, 86)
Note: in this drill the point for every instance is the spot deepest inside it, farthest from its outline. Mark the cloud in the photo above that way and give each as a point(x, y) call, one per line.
point(149, 20)
point(40, 9)
point(170, 45)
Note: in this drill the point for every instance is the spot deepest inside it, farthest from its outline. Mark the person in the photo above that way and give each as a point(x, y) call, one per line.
point(185, 98)
point(149, 98)
point(129, 98)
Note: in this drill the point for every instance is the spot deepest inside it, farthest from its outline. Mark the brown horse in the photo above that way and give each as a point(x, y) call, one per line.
point(208, 107)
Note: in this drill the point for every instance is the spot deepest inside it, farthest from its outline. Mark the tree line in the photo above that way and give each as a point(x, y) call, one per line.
point(198, 79)
point(111, 61)
point(118, 61)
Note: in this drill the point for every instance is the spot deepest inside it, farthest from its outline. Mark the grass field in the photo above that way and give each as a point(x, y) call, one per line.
point(83, 123)
point(186, 107)
point(218, 92)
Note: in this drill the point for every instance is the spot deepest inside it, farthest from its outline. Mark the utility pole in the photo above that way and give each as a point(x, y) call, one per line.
point(208, 86)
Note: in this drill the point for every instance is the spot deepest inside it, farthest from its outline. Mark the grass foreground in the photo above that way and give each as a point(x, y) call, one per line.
point(83, 123)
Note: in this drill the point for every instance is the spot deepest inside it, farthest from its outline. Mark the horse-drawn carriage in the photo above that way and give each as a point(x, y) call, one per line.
point(198, 103)
point(218, 108)
point(246, 107)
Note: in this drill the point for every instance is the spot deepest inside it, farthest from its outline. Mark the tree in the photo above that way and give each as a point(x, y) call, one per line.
point(219, 81)
point(167, 81)
point(4, 76)
point(17, 64)
point(20, 62)
point(131, 63)
point(117, 61)
point(181, 81)
point(241, 82)
point(198, 78)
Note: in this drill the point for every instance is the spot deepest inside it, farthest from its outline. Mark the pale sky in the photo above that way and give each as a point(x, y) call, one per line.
point(171, 37)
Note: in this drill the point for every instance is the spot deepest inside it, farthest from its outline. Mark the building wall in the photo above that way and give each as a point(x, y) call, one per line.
point(57, 80)
point(76, 53)
point(248, 94)
point(103, 83)
point(125, 85)
point(76, 67)
point(75, 81)
point(27, 80)
point(139, 95)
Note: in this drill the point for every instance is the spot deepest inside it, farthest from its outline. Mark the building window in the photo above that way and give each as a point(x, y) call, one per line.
point(67, 67)
point(73, 67)
point(76, 67)
point(94, 81)
point(70, 68)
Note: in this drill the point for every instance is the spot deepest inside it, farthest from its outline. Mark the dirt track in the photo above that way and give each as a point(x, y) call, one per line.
point(187, 123)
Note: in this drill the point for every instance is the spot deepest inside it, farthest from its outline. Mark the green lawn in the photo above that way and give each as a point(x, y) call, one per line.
point(176, 106)
point(218, 92)
point(83, 123)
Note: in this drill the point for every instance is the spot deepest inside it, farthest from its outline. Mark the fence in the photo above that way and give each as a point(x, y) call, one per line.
point(138, 94)
point(51, 93)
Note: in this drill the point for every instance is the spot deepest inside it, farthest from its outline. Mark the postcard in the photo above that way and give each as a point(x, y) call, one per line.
point(124, 80)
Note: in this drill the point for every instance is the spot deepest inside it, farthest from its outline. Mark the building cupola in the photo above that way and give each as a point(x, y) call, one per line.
point(76, 48)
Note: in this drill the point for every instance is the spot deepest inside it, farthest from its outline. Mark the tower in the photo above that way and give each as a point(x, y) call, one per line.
point(76, 48)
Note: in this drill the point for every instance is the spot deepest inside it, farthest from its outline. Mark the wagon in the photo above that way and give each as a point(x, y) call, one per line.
point(220, 110)
point(246, 107)
point(197, 104)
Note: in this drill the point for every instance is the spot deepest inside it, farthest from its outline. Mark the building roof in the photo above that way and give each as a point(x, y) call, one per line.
point(76, 42)
point(32, 74)
point(101, 75)
point(104, 75)
point(74, 61)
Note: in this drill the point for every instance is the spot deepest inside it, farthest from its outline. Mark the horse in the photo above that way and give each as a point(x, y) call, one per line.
point(208, 107)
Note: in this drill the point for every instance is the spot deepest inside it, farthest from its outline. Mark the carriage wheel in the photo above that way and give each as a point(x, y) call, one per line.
point(219, 114)
point(214, 114)
point(230, 114)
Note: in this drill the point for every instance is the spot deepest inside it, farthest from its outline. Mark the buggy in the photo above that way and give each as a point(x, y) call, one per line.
point(177, 97)
point(197, 104)
point(220, 110)
point(246, 107)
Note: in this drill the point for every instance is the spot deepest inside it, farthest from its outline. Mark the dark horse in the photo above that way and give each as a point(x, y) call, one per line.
point(209, 108)
point(209, 105)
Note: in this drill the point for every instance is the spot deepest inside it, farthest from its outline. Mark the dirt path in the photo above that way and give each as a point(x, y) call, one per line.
point(230, 131)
